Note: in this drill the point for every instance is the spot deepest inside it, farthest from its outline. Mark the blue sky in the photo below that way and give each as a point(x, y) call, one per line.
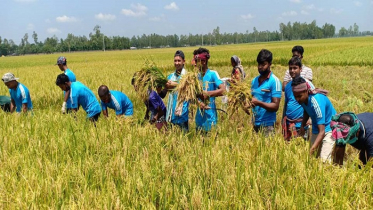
point(137, 17)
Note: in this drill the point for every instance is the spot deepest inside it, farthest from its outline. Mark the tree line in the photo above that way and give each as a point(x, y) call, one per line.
point(99, 41)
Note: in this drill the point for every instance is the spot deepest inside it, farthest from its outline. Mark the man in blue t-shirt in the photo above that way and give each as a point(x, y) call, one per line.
point(80, 95)
point(206, 115)
point(319, 108)
point(115, 100)
point(293, 111)
point(266, 92)
point(360, 135)
point(62, 64)
point(19, 94)
point(177, 114)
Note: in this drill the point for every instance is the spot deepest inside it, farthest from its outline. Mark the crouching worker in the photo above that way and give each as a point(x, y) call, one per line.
point(356, 130)
point(80, 95)
point(5, 103)
point(155, 106)
point(115, 100)
point(20, 99)
point(317, 106)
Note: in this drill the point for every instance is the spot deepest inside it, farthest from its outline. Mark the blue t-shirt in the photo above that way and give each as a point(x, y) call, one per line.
point(172, 102)
point(321, 110)
point(82, 95)
point(21, 95)
point(293, 109)
point(270, 88)
point(70, 75)
point(209, 117)
point(155, 101)
point(120, 103)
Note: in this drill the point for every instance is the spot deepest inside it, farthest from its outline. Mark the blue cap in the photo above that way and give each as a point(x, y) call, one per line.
point(61, 60)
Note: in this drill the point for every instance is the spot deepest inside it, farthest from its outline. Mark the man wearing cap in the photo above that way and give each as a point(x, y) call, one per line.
point(177, 114)
point(318, 107)
point(356, 130)
point(115, 100)
point(19, 94)
point(62, 64)
point(207, 116)
point(80, 95)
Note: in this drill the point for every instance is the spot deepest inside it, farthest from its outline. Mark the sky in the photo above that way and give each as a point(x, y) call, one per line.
point(137, 17)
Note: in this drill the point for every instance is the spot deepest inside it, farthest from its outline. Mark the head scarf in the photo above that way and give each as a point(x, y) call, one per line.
point(237, 60)
point(202, 56)
point(305, 86)
point(344, 134)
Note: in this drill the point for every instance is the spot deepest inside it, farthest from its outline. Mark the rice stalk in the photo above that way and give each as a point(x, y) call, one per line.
point(189, 87)
point(239, 96)
point(149, 77)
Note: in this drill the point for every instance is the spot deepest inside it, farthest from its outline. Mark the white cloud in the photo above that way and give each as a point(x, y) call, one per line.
point(53, 31)
point(65, 19)
point(336, 11)
point(295, 1)
point(30, 27)
point(25, 0)
point(101, 16)
point(138, 10)
point(247, 17)
point(357, 3)
point(291, 13)
point(172, 6)
point(304, 12)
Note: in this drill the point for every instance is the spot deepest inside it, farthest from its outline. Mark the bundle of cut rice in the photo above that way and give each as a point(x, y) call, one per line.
point(149, 77)
point(189, 87)
point(239, 95)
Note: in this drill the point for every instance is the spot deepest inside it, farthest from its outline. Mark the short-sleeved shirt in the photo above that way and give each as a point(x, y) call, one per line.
point(70, 75)
point(21, 95)
point(83, 96)
point(208, 117)
point(306, 73)
point(320, 110)
point(365, 138)
point(120, 103)
point(294, 110)
point(155, 101)
point(172, 103)
point(268, 89)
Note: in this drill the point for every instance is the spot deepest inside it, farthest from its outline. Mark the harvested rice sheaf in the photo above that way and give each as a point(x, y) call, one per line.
point(149, 77)
point(189, 87)
point(239, 95)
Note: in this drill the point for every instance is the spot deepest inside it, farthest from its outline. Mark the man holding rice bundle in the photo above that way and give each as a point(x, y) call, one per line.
point(207, 116)
point(62, 65)
point(177, 114)
point(266, 93)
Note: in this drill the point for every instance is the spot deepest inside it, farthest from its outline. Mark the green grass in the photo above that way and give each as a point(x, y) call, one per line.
point(51, 160)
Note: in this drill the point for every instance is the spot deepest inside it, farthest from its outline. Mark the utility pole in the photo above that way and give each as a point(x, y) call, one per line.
point(202, 39)
point(103, 41)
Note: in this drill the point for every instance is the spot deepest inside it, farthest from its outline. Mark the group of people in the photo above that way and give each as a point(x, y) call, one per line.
point(304, 104)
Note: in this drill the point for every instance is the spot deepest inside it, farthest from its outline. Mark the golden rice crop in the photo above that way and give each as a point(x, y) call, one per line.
point(239, 96)
point(189, 87)
point(148, 77)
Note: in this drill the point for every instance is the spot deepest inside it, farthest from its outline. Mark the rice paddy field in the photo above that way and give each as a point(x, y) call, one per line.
point(54, 161)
